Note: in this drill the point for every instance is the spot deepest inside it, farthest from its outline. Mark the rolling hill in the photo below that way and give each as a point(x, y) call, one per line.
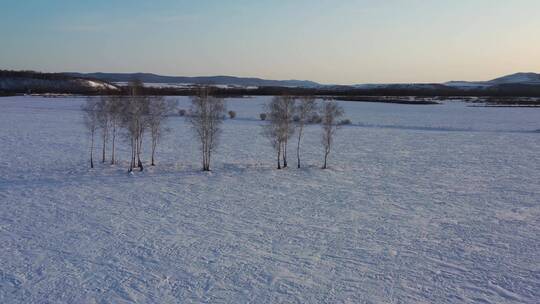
point(210, 80)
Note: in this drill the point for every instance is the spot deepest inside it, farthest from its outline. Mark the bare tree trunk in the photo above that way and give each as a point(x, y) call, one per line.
point(139, 148)
point(203, 146)
point(285, 154)
point(298, 146)
point(137, 151)
point(206, 152)
point(103, 148)
point(326, 152)
point(133, 152)
point(279, 157)
point(205, 162)
point(206, 166)
point(209, 158)
point(139, 163)
point(154, 144)
point(132, 161)
point(113, 143)
point(131, 158)
point(92, 152)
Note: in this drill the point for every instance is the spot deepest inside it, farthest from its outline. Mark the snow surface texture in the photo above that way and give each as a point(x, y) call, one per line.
point(422, 204)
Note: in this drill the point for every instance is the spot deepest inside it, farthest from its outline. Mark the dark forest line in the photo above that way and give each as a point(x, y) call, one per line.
point(48, 83)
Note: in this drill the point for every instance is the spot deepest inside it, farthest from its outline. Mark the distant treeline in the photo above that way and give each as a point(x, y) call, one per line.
point(510, 90)
point(48, 86)
point(391, 99)
point(32, 82)
point(34, 75)
point(4, 93)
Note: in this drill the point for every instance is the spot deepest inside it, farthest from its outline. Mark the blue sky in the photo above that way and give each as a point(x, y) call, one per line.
point(349, 41)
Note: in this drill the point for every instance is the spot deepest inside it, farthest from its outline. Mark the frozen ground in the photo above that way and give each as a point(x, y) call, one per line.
point(422, 204)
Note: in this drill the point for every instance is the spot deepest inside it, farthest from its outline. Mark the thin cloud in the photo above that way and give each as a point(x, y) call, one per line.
point(180, 18)
point(101, 26)
point(82, 28)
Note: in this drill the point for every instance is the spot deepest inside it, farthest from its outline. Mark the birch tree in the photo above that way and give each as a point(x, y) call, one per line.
point(305, 108)
point(273, 132)
point(330, 114)
point(103, 122)
point(91, 122)
point(135, 121)
point(287, 112)
point(206, 117)
point(158, 110)
point(280, 128)
point(114, 108)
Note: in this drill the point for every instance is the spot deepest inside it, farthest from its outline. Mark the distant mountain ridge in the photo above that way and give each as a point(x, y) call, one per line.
point(512, 79)
point(522, 78)
point(210, 80)
point(17, 82)
point(508, 80)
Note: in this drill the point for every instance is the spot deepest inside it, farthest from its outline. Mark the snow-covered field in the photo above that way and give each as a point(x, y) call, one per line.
point(422, 204)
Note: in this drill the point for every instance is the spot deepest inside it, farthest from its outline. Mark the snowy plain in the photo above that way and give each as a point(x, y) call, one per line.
point(421, 204)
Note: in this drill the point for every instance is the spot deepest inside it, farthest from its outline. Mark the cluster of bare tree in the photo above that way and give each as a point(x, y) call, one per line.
point(135, 114)
point(287, 115)
point(206, 116)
